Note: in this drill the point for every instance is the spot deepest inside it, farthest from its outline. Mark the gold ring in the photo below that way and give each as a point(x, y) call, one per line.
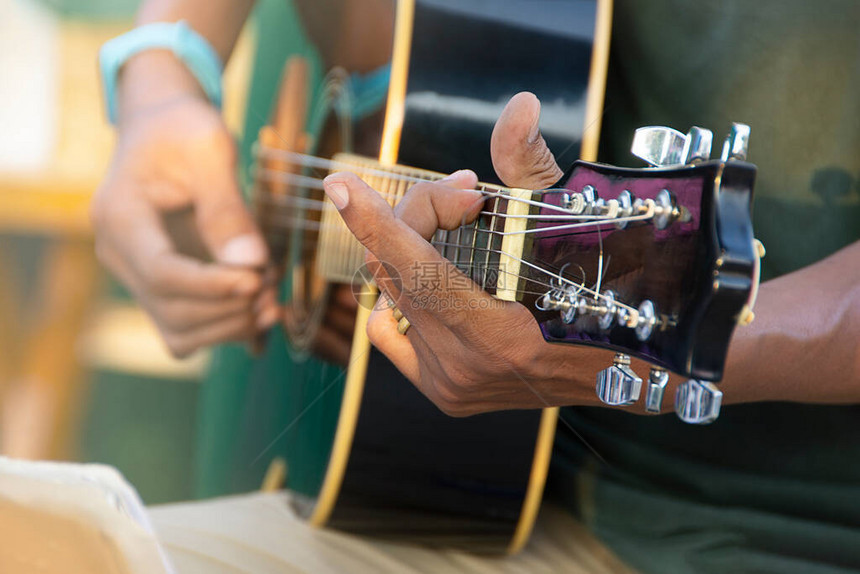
point(403, 325)
point(398, 314)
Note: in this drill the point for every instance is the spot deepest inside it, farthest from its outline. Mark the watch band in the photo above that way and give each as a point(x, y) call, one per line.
point(191, 48)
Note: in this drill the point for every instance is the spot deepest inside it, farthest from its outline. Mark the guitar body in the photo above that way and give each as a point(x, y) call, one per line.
point(368, 453)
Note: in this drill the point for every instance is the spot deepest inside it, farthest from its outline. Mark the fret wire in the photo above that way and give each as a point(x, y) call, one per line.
point(447, 244)
point(438, 241)
point(457, 251)
point(474, 239)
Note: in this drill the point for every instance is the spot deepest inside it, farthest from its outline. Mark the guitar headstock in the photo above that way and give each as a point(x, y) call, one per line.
point(667, 273)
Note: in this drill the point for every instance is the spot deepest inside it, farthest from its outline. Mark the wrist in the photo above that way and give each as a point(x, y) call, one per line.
point(151, 79)
point(565, 374)
point(170, 59)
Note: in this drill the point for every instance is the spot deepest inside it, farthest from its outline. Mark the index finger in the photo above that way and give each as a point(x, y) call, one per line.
point(425, 278)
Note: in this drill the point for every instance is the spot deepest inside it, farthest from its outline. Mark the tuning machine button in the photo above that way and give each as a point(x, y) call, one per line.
point(698, 145)
point(659, 146)
point(618, 385)
point(657, 381)
point(737, 143)
point(698, 402)
point(663, 147)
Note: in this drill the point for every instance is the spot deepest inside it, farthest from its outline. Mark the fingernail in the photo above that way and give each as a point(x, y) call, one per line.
point(337, 192)
point(268, 318)
point(247, 285)
point(458, 175)
point(245, 250)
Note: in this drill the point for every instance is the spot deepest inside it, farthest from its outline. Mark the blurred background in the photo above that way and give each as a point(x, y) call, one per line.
point(83, 373)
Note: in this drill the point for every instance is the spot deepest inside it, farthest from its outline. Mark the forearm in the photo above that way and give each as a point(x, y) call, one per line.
point(804, 344)
point(219, 21)
point(156, 76)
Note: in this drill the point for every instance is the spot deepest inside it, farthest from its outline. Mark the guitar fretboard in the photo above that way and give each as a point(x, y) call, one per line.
point(475, 248)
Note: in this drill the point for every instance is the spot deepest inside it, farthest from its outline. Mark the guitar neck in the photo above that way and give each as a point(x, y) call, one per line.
point(480, 249)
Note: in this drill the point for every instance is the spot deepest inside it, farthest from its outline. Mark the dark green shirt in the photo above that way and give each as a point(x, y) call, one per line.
point(768, 487)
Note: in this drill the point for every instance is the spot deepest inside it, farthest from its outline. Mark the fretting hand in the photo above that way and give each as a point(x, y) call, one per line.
point(466, 351)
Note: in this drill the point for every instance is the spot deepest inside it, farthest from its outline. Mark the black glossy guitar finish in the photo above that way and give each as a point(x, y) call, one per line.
point(415, 473)
point(470, 57)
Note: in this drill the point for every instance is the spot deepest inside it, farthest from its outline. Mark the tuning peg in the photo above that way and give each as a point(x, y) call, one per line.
point(618, 385)
point(737, 143)
point(625, 208)
point(657, 381)
point(606, 309)
point(668, 209)
point(593, 202)
point(698, 145)
point(661, 146)
point(647, 320)
point(698, 402)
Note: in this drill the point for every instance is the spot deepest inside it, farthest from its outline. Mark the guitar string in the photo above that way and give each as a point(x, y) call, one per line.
point(554, 274)
point(579, 286)
point(296, 222)
point(595, 224)
point(285, 199)
point(317, 183)
point(594, 292)
point(316, 226)
point(458, 264)
point(486, 249)
point(306, 160)
point(313, 161)
point(319, 205)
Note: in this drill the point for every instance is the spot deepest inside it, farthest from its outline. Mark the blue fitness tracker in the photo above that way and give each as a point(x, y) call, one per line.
point(191, 48)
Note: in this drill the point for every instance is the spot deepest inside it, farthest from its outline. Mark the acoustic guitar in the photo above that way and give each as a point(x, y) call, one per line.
point(653, 263)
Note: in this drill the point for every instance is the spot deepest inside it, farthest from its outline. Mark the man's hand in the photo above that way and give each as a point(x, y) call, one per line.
point(466, 351)
point(170, 223)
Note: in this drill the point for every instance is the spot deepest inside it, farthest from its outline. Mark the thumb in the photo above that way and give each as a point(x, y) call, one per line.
point(227, 227)
point(520, 154)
